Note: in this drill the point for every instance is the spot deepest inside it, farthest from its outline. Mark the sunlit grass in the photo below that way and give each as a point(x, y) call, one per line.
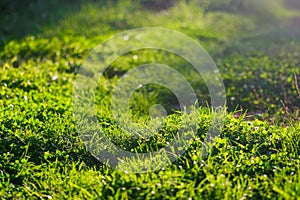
point(256, 155)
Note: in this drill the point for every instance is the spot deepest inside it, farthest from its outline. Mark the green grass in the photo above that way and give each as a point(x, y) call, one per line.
point(42, 155)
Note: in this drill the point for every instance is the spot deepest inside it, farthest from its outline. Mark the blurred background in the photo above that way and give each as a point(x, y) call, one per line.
point(254, 43)
point(19, 18)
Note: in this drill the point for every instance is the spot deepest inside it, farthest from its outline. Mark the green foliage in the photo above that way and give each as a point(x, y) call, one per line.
point(42, 156)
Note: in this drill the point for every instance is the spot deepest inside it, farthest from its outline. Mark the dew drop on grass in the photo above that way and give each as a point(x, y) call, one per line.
point(126, 37)
point(54, 78)
point(140, 86)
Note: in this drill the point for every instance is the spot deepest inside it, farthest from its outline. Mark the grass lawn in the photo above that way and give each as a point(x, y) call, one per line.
point(256, 47)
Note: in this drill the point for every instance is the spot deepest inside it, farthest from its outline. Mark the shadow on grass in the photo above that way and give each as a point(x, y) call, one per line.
point(20, 18)
point(29, 17)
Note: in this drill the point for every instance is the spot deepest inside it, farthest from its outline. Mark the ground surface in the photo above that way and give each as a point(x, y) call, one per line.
point(257, 52)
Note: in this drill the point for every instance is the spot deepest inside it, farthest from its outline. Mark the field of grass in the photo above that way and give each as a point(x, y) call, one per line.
point(43, 44)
